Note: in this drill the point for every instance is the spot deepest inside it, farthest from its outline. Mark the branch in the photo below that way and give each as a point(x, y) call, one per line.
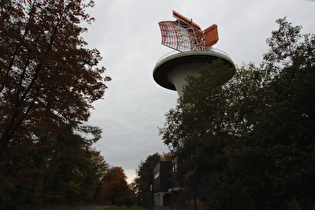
point(16, 52)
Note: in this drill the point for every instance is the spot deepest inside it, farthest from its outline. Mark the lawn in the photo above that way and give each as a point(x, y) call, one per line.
point(90, 207)
point(70, 207)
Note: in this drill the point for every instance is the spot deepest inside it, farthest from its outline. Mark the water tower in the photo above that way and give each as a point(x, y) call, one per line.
point(193, 50)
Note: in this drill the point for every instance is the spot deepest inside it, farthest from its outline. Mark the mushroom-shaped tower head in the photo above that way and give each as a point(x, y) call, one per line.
point(195, 51)
point(171, 72)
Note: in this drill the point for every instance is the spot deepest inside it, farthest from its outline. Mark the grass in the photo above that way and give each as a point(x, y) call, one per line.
point(76, 207)
point(59, 208)
point(125, 208)
point(70, 207)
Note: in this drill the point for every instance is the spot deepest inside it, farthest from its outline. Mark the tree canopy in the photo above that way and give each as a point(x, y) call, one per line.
point(253, 137)
point(145, 173)
point(115, 189)
point(48, 81)
point(48, 77)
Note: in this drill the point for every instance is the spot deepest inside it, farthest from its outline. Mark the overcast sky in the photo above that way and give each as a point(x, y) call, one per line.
point(127, 34)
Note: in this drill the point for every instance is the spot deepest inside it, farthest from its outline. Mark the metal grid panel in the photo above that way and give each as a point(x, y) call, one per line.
point(182, 37)
point(169, 34)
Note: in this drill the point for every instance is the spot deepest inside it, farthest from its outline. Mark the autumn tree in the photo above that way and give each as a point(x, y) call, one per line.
point(47, 75)
point(166, 156)
point(252, 138)
point(48, 81)
point(115, 189)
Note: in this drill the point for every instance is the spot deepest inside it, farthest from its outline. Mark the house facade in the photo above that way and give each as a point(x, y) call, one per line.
point(168, 191)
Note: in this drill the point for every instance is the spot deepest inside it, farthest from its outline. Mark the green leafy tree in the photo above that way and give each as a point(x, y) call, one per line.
point(197, 118)
point(47, 75)
point(145, 173)
point(75, 169)
point(252, 138)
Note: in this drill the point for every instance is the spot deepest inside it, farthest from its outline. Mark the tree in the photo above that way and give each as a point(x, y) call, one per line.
point(252, 138)
point(145, 173)
point(166, 156)
point(197, 118)
point(115, 189)
point(48, 81)
point(72, 171)
point(61, 169)
point(47, 76)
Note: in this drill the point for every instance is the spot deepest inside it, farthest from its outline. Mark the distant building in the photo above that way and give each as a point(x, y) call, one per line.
point(169, 191)
point(166, 190)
